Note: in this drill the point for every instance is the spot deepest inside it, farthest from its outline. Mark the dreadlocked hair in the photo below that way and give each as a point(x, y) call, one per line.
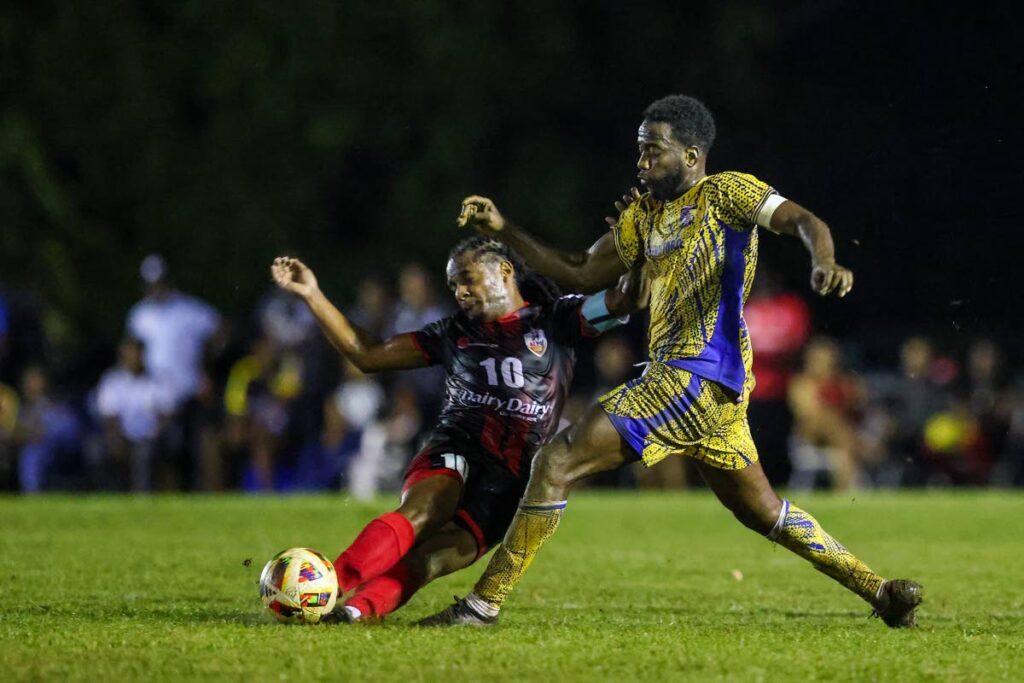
point(533, 286)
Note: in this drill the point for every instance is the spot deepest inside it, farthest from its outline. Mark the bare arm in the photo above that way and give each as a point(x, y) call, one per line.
point(580, 271)
point(632, 293)
point(826, 275)
point(365, 352)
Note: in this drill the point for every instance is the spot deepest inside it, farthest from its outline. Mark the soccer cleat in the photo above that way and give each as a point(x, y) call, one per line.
point(896, 603)
point(340, 615)
point(458, 614)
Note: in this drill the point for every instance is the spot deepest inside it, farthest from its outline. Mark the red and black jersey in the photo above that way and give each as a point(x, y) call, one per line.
point(507, 380)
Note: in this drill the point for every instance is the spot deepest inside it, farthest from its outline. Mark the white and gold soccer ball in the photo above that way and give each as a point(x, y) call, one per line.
point(299, 586)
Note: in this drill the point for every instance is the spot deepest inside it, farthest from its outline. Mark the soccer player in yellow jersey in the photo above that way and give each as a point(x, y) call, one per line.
point(698, 234)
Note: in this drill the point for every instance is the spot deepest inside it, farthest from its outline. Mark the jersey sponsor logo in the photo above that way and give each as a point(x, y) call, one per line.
point(536, 342)
point(655, 250)
point(510, 406)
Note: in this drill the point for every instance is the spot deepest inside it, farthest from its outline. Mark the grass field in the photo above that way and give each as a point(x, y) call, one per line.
point(633, 586)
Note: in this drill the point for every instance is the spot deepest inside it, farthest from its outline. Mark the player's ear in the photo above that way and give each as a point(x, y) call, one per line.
point(507, 271)
point(691, 155)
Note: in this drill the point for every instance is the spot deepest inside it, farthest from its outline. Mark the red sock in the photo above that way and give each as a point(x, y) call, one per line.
point(376, 549)
point(386, 593)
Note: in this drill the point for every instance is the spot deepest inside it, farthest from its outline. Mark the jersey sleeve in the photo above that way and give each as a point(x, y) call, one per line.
point(737, 198)
point(628, 232)
point(432, 341)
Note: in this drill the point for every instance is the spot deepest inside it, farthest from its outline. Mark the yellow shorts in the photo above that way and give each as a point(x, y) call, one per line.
point(670, 411)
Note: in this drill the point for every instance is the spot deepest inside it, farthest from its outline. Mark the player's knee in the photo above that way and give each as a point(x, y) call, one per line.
point(550, 466)
point(423, 517)
point(757, 515)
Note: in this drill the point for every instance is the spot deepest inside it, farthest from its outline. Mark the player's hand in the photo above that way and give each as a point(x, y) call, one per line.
point(622, 205)
point(831, 277)
point(292, 275)
point(481, 214)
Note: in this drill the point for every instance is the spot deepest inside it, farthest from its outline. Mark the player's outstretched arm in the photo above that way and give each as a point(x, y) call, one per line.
point(365, 352)
point(827, 276)
point(579, 271)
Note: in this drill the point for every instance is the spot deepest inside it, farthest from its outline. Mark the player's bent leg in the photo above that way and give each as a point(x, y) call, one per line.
point(430, 503)
point(427, 504)
point(749, 496)
point(591, 446)
point(448, 550)
point(746, 493)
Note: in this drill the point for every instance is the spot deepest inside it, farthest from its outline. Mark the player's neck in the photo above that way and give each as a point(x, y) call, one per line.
point(515, 304)
point(690, 181)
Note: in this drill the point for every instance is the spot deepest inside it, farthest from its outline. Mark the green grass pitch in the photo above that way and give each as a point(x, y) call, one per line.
point(635, 586)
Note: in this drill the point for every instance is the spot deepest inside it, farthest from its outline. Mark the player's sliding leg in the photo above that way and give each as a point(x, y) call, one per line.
point(749, 496)
point(427, 505)
point(449, 550)
point(590, 447)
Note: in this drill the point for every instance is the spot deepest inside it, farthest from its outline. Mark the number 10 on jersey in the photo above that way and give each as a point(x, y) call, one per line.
point(511, 371)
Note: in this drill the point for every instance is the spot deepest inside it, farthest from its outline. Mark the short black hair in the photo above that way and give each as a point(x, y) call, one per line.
point(692, 122)
point(533, 286)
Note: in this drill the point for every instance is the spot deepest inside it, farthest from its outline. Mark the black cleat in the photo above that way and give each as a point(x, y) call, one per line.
point(458, 614)
point(899, 598)
point(339, 615)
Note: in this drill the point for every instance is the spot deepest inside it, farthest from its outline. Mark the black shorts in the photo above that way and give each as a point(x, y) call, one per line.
point(490, 492)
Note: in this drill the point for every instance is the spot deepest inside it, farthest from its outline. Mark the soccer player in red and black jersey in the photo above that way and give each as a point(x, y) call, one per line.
point(509, 355)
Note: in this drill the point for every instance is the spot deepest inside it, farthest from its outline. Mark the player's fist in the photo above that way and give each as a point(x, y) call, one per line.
point(831, 277)
point(481, 214)
point(620, 206)
point(293, 275)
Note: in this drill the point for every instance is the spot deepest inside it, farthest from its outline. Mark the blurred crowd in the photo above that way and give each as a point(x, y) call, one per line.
point(192, 402)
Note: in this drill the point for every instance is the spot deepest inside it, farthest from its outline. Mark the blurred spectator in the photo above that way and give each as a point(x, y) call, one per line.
point(50, 435)
point(1011, 466)
point(955, 446)
point(918, 393)
point(175, 329)
point(387, 447)
point(826, 403)
point(134, 406)
point(359, 398)
point(285, 319)
point(416, 308)
point(8, 421)
point(374, 309)
point(257, 400)
point(287, 322)
point(987, 393)
point(324, 461)
point(779, 323)
point(178, 330)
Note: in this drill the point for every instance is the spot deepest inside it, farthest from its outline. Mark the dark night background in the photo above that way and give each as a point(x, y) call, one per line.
point(221, 134)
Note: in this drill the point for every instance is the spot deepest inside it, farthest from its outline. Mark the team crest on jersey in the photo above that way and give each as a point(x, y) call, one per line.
point(536, 342)
point(686, 215)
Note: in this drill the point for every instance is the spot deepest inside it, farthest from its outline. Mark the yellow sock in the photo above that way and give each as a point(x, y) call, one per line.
point(533, 524)
point(799, 532)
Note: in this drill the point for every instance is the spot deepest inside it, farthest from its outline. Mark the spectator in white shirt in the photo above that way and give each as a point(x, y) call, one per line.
point(175, 329)
point(135, 405)
point(178, 332)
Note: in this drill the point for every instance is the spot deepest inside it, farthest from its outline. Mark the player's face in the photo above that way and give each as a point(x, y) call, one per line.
point(482, 286)
point(664, 162)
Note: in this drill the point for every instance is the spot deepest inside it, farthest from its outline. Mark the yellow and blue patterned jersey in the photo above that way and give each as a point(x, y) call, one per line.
point(702, 250)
